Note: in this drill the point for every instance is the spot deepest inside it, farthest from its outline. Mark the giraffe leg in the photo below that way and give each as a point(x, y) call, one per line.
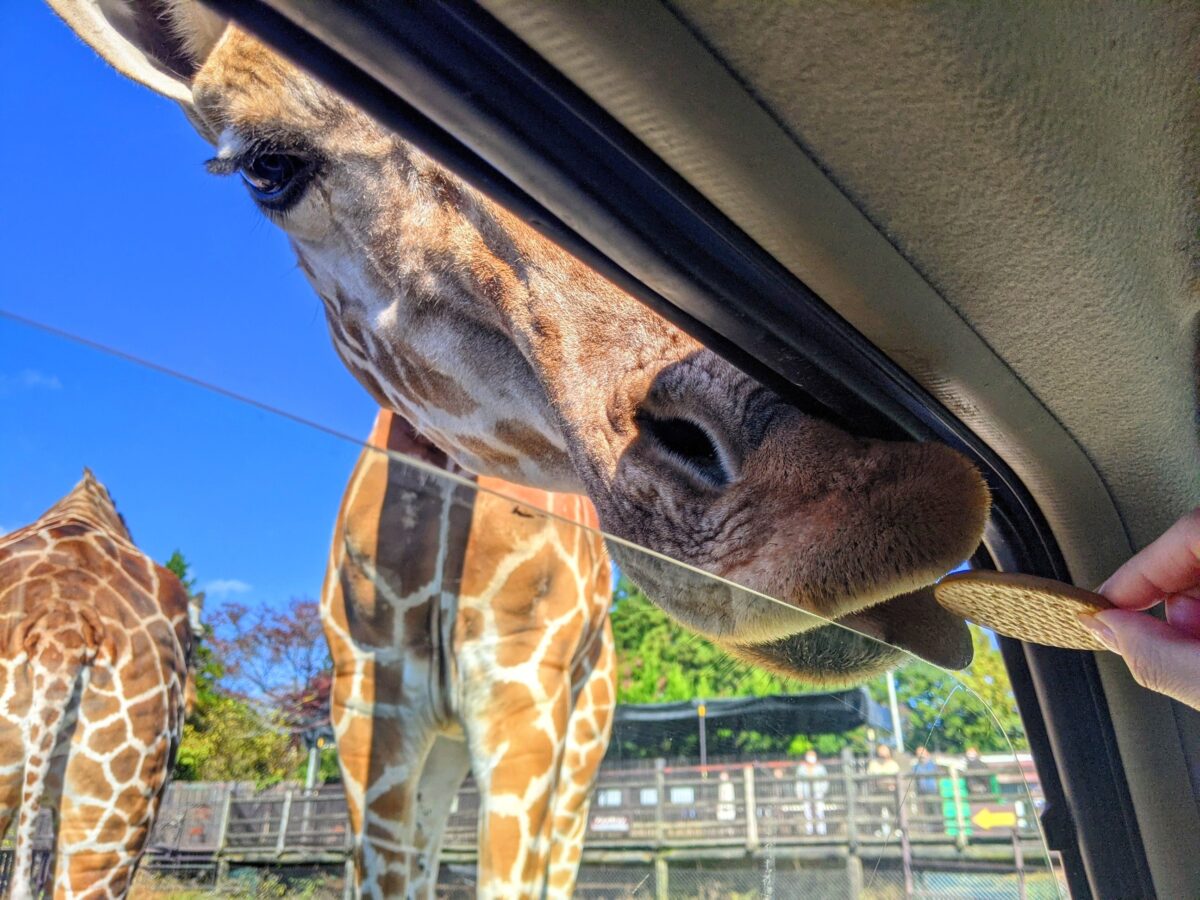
point(57, 671)
point(587, 737)
point(102, 865)
point(12, 749)
point(445, 768)
point(109, 801)
point(516, 749)
point(11, 775)
point(382, 757)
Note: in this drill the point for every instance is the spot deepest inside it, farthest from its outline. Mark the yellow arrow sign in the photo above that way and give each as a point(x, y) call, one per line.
point(989, 818)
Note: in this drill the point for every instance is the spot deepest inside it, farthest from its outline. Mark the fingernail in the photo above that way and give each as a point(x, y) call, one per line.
point(1102, 632)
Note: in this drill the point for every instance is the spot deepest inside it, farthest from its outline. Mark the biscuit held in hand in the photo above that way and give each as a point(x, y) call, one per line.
point(1025, 607)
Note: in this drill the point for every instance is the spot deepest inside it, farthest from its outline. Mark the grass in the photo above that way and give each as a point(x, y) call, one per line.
point(242, 884)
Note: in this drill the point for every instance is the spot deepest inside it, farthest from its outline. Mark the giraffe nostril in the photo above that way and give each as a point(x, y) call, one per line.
point(686, 444)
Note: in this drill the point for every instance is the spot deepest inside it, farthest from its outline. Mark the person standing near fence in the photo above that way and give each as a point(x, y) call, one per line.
point(884, 769)
point(928, 805)
point(978, 775)
point(812, 785)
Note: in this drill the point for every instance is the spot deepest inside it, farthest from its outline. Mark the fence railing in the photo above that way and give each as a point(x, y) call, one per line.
point(738, 805)
point(235, 821)
point(714, 828)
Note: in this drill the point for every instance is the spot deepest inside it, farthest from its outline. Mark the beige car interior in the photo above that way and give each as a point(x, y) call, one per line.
point(1003, 198)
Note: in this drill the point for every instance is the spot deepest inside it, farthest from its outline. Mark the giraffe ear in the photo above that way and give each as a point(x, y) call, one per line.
point(158, 43)
point(190, 693)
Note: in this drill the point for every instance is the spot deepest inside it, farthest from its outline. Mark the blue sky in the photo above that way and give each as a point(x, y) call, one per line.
point(111, 229)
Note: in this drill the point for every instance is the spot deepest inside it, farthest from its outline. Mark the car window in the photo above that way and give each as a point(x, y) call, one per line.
point(497, 657)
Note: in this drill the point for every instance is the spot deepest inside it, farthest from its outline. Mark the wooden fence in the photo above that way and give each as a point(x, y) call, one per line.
point(640, 813)
point(727, 805)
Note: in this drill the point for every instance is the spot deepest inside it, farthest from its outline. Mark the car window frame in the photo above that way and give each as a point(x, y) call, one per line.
point(454, 81)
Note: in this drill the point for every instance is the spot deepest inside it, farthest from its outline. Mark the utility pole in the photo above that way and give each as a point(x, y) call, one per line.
point(314, 761)
point(897, 728)
point(314, 742)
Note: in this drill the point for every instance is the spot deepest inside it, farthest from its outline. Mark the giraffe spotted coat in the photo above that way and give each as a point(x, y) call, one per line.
point(469, 632)
point(96, 641)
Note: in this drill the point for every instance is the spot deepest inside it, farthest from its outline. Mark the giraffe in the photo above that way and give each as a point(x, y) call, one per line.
point(95, 641)
point(469, 632)
point(521, 363)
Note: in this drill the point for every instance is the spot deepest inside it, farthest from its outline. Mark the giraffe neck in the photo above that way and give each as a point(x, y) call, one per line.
point(456, 326)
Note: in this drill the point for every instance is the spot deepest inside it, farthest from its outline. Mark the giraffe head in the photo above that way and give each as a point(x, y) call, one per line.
point(521, 363)
point(191, 690)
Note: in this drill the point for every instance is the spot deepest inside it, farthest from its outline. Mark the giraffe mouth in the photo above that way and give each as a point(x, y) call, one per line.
point(864, 644)
point(916, 623)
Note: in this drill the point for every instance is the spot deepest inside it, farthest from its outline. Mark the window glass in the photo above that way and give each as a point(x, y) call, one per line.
point(608, 797)
point(680, 795)
point(295, 669)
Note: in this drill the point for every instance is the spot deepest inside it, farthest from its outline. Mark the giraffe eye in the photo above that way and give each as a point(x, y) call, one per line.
point(276, 180)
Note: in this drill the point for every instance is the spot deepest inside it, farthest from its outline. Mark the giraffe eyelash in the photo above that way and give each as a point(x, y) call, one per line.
point(276, 174)
point(243, 151)
point(223, 165)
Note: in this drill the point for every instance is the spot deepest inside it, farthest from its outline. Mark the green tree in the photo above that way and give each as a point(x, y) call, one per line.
point(206, 670)
point(225, 738)
point(660, 661)
point(230, 741)
point(939, 713)
point(179, 566)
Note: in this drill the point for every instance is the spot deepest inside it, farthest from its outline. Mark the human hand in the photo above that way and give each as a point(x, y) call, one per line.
point(1163, 656)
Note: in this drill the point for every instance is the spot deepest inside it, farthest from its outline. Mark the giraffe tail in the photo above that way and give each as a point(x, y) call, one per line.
point(60, 643)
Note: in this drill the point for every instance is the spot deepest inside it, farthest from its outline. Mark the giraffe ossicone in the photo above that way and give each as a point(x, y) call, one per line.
point(521, 363)
point(96, 641)
point(469, 632)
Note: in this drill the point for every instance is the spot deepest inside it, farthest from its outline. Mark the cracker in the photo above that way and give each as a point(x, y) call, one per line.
point(1024, 607)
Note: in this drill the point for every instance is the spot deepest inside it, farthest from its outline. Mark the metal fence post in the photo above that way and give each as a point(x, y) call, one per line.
point(905, 844)
point(959, 818)
point(281, 841)
point(850, 792)
point(751, 806)
point(660, 791)
point(661, 875)
point(310, 780)
point(854, 876)
point(1019, 864)
point(223, 835)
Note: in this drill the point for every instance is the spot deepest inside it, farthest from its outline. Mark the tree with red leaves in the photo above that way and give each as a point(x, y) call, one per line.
point(276, 658)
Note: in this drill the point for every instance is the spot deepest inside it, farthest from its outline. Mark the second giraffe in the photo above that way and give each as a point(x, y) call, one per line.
point(469, 632)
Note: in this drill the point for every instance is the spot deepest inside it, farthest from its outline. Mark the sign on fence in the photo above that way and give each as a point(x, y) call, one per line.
point(610, 824)
point(995, 817)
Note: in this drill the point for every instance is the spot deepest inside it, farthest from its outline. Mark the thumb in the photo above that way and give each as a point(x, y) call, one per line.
point(1161, 658)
